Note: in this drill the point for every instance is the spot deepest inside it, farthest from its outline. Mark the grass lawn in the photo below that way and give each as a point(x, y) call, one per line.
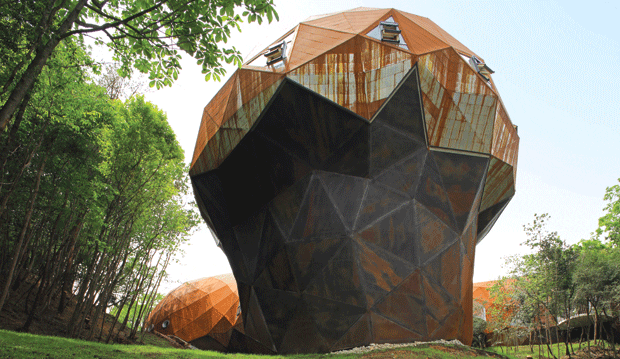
point(522, 352)
point(20, 345)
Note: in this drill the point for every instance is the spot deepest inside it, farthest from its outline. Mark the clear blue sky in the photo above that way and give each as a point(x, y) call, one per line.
point(557, 69)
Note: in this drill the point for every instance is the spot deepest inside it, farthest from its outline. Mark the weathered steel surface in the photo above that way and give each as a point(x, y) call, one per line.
point(359, 74)
point(353, 181)
point(312, 41)
point(353, 22)
point(202, 312)
point(428, 25)
point(222, 129)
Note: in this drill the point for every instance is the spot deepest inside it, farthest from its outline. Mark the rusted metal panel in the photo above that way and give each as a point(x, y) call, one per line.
point(359, 74)
point(385, 331)
point(362, 20)
point(419, 41)
point(438, 32)
point(248, 97)
point(459, 107)
point(453, 73)
point(334, 22)
point(500, 185)
point(360, 332)
point(312, 41)
point(203, 307)
point(479, 111)
point(250, 92)
point(352, 22)
point(211, 117)
point(505, 139)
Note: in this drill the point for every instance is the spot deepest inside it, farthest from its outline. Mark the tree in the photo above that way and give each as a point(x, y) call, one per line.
point(92, 197)
point(143, 34)
point(609, 224)
point(542, 279)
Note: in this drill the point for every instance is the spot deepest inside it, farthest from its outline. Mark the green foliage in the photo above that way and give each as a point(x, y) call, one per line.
point(609, 224)
point(556, 281)
point(92, 194)
point(597, 275)
point(147, 35)
point(480, 325)
point(132, 312)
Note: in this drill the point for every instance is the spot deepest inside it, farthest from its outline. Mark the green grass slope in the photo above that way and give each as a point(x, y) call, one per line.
point(20, 345)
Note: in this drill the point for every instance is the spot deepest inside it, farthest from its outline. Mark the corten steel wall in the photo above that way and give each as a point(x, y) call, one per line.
point(202, 312)
point(350, 186)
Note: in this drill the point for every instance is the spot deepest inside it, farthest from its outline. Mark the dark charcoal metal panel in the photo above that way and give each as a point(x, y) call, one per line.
point(434, 234)
point(209, 192)
point(307, 124)
point(346, 192)
point(395, 233)
point(381, 271)
point(317, 218)
point(309, 258)
point(248, 235)
point(353, 157)
point(340, 278)
point(242, 343)
point(432, 194)
point(255, 325)
point(358, 334)
point(446, 270)
point(278, 273)
point(332, 318)
point(244, 299)
point(272, 244)
point(438, 303)
point(461, 176)
point(405, 175)
point(283, 167)
point(278, 309)
point(387, 331)
point(208, 343)
point(242, 195)
point(285, 206)
point(302, 335)
point(388, 146)
point(404, 109)
point(405, 304)
point(378, 201)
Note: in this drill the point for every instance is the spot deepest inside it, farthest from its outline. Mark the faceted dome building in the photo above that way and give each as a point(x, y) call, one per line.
point(202, 312)
point(348, 172)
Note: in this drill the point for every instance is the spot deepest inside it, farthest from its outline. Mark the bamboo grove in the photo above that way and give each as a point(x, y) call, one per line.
point(92, 196)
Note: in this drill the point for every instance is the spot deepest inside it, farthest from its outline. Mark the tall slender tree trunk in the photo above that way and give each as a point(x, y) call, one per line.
point(20, 240)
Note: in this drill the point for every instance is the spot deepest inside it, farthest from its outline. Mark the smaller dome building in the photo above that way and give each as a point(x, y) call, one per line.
point(202, 312)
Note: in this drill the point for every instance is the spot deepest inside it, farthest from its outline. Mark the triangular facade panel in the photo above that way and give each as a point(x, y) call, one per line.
point(436, 31)
point(312, 41)
point(358, 75)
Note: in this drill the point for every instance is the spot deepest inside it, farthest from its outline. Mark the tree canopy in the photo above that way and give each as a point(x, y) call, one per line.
point(92, 198)
point(148, 35)
point(557, 282)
